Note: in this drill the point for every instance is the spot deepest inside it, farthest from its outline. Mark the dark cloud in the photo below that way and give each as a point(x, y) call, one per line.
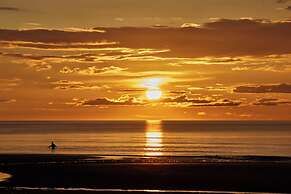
point(177, 92)
point(280, 88)
point(93, 70)
point(48, 36)
point(219, 38)
point(283, 1)
point(220, 102)
point(4, 8)
point(271, 102)
point(192, 102)
point(185, 99)
point(28, 56)
point(80, 57)
point(74, 85)
point(182, 101)
point(133, 54)
point(123, 101)
point(84, 57)
point(132, 90)
point(4, 100)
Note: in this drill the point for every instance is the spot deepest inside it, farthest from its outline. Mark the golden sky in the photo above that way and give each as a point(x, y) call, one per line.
point(154, 59)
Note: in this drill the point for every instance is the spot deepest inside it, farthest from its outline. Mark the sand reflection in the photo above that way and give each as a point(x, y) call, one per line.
point(154, 139)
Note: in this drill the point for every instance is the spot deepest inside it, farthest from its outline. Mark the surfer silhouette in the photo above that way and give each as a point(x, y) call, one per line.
point(53, 146)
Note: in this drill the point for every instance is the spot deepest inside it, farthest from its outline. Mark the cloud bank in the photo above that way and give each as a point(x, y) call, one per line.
point(279, 88)
point(217, 38)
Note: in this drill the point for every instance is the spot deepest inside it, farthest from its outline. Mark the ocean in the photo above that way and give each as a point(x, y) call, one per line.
point(148, 138)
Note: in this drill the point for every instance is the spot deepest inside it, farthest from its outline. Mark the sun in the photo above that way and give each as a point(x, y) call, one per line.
point(153, 87)
point(154, 94)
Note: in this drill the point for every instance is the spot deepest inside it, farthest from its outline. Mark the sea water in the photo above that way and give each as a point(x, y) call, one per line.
point(148, 138)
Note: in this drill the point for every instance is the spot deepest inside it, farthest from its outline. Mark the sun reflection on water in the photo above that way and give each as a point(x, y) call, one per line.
point(154, 141)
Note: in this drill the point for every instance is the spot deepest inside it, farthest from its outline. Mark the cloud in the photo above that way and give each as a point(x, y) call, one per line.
point(132, 90)
point(119, 73)
point(216, 88)
point(244, 68)
point(42, 66)
point(9, 84)
point(271, 102)
point(220, 102)
point(194, 102)
point(68, 70)
point(280, 88)
point(106, 54)
point(26, 56)
point(93, 70)
point(122, 101)
point(190, 25)
point(211, 61)
point(201, 113)
point(178, 101)
point(81, 46)
point(74, 85)
point(185, 99)
point(282, 1)
point(119, 19)
point(285, 1)
point(217, 38)
point(3, 8)
point(4, 100)
point(278, 66)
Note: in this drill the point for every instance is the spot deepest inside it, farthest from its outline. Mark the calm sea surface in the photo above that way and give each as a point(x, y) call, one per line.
point(149, 138)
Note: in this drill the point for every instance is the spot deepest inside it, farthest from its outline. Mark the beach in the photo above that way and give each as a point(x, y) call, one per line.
point(145, 157)
point(39, 173)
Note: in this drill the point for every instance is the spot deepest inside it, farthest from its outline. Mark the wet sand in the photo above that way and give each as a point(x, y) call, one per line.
point(244, 174)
